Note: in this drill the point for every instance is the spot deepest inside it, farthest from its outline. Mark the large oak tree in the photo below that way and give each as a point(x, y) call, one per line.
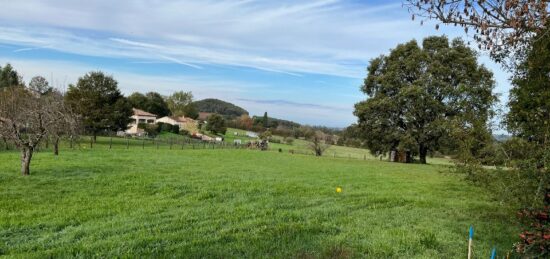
point(418, 95)
point(99, 102)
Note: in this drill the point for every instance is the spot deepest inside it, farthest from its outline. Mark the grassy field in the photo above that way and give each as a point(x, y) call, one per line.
point(239, 203)
point(302, 146)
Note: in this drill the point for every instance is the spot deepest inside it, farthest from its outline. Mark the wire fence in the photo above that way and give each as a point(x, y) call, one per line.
point(173, 143)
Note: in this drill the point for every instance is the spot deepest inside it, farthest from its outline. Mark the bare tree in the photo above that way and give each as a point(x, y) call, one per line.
point(317, 143)
point(66, 122)
point(503, 27)
point(26, 118)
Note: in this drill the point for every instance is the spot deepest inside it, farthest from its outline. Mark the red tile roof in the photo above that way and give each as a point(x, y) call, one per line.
point(139, 112)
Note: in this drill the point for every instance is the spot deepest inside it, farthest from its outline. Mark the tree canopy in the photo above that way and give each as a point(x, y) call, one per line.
point(9, 77)
point(152, 102)
point(40, 85)
point(216, 124)
point(181, 103)
point(99, 102)
point(418, 94)
point(529, 115)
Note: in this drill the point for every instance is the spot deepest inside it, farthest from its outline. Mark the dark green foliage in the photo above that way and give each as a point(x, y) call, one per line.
point(9, 77)
point(419, 96)
point(152, 130)
point(216, 124)
point(97, 99)
point(265, 120)
point(151, 102)
point(529, 115)
point(219, 107)
point(191, 111)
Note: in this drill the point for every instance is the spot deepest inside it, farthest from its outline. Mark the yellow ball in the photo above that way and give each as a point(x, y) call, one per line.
point(338, 189)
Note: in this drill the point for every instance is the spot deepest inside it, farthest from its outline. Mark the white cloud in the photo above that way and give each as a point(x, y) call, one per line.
point(326, 37)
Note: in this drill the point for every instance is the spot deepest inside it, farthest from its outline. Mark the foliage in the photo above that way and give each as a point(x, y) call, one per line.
point(266, 135)
point(317, 143)
point(98, 101)
point(216, 124)
point(502, 27)
point(152, 130)
point(40, 85)
point(220, 107)
point(417, 94)
point(181, 103)
point(265, 120)
point(9, 77)
point(529, 115)
point(151, 102)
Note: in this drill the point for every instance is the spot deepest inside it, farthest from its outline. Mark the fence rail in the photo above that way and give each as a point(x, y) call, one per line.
point(182, 143)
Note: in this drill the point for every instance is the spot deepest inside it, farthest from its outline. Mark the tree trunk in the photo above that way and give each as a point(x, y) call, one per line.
point(422, 152)
point(6, 143)
point(56, 146)
point(26, 155)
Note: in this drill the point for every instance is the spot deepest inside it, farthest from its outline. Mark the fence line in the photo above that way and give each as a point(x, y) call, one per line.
point(115, 142)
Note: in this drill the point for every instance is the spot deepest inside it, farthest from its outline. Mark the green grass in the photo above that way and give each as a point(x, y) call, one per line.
point(239, 203)
point(302, 146)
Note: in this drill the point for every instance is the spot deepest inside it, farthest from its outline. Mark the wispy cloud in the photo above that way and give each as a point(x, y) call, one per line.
point(296, 104)
point(290, 37)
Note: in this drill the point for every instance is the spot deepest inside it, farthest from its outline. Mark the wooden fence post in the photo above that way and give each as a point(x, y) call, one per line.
point(111, 142)
point(91, 142)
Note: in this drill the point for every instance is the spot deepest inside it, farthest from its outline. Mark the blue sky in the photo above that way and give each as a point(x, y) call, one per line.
point(297, 60)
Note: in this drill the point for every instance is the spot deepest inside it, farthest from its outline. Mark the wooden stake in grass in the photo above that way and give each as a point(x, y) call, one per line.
point(470, 242)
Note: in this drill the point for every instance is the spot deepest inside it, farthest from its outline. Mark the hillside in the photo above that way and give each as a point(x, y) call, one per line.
point(219, 107)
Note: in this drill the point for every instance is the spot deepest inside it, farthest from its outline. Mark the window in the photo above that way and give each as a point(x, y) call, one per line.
point(141, 120)
point(150, 121)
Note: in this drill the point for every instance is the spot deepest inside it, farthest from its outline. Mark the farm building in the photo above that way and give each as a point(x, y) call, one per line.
point(138, 117)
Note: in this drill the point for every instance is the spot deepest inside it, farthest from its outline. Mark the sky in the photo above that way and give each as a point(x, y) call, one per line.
point(297, 60)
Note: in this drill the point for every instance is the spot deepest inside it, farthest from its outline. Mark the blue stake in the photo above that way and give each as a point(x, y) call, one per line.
point(494, 253)
point(470, 241)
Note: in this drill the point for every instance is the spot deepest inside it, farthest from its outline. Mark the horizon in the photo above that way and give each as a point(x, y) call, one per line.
point(263, 57)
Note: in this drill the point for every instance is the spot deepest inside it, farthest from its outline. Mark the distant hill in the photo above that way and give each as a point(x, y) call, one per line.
point(219, 107)
point(274, 122)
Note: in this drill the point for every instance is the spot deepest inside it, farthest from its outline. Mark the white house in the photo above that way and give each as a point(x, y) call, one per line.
point(140, 116)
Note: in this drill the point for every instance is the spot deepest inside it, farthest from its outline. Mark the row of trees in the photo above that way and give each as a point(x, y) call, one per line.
point(178, 104)
point(31, 113)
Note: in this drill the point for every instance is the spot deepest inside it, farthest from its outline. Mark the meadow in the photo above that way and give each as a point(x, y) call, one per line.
point(227, 203)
